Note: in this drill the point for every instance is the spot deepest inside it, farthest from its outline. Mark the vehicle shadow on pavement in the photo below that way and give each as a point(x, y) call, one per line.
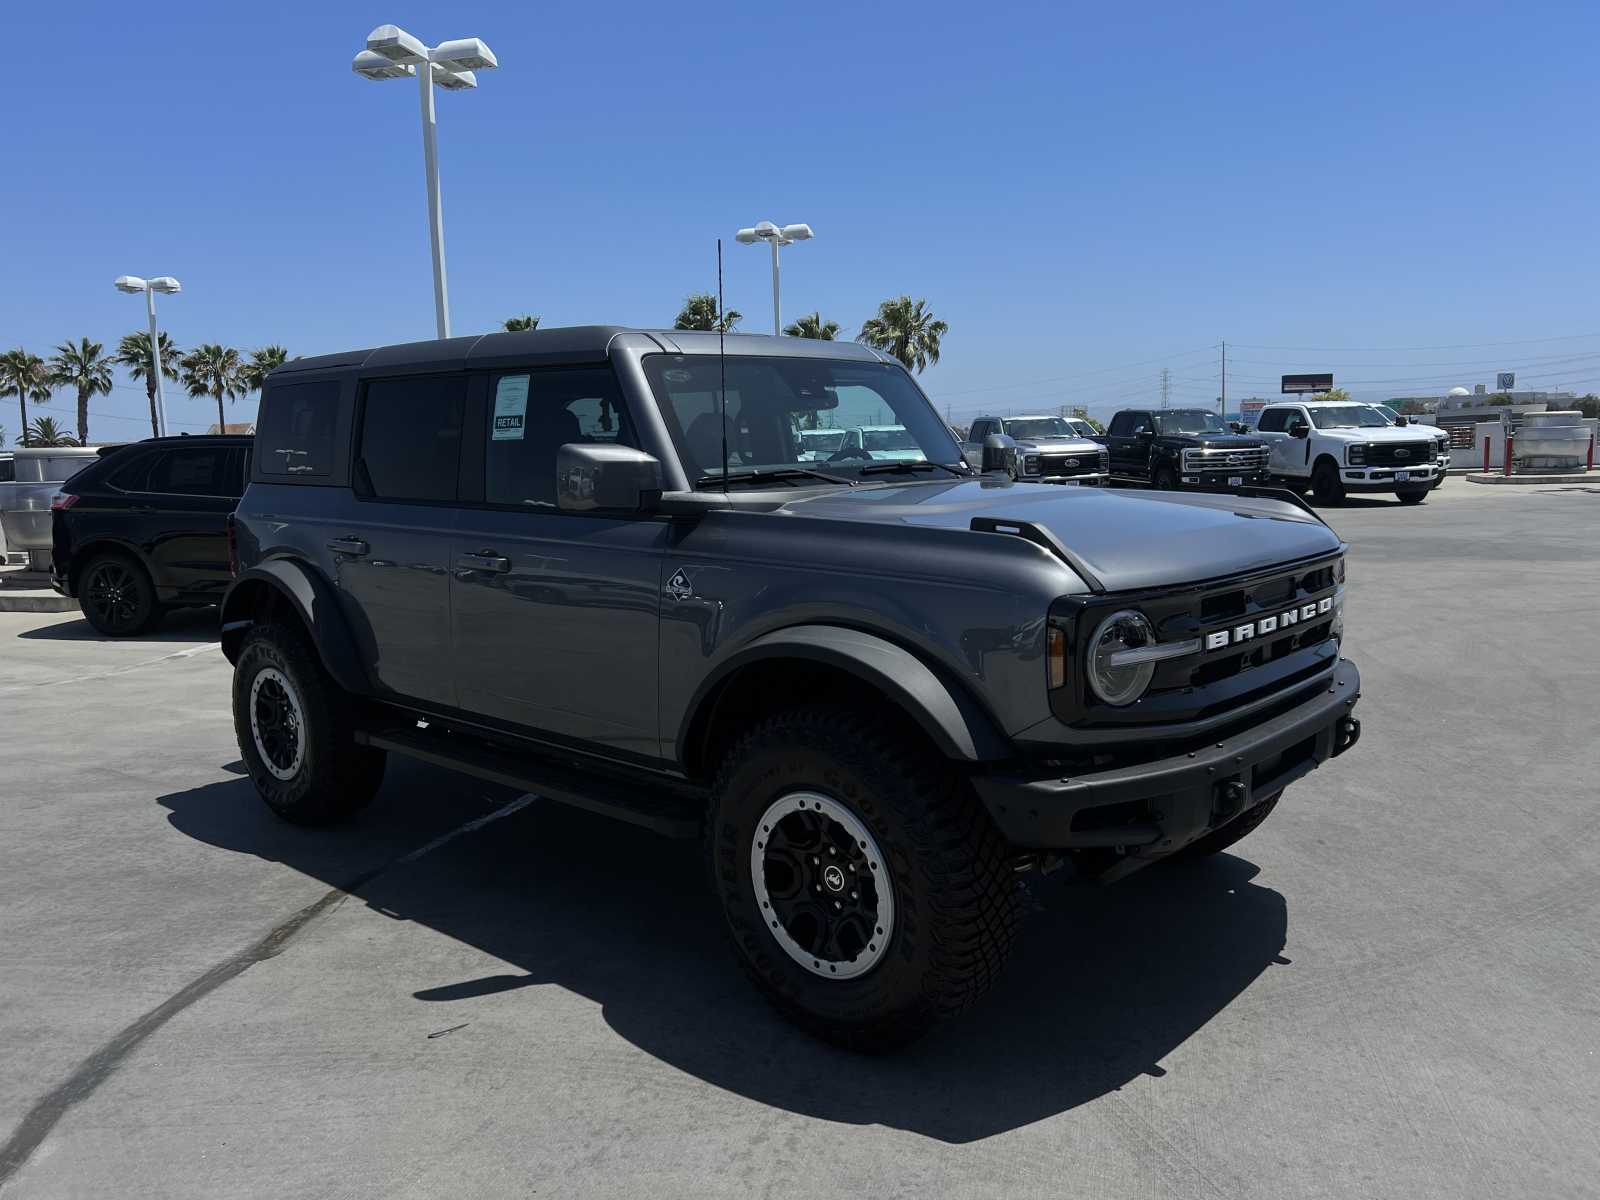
point(181, 625)
point(1104, 983)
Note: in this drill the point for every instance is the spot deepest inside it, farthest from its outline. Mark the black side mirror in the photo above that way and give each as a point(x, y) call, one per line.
point(1401, 421)
point(999, 454)
point(592, 476)
point(1299, 430)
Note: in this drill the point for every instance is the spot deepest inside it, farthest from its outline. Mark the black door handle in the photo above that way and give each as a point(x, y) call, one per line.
point(486, 561)
point(352, 546)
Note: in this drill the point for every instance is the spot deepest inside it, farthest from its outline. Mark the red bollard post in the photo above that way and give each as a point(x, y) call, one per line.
point(1485, 456)
point(1511, 440)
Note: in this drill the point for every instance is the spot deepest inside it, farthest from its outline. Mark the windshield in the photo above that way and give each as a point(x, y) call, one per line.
point(1389, 414)
point(779, 409)
point(1346, 416)
point(1027, 429)
point(1187, 421)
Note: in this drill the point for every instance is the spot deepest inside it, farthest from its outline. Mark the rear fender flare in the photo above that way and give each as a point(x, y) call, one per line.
point(312, 599)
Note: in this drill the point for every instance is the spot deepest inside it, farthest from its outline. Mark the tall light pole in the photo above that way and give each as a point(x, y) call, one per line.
point(171, 287)
point(392, 53)
point(775, 236)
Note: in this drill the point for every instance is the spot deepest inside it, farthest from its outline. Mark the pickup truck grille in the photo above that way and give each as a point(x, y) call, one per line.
point(1401, 454)
point(1070, 465)
point(1227, 462)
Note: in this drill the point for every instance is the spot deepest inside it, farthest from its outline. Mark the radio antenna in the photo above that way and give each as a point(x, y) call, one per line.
point(722, 366)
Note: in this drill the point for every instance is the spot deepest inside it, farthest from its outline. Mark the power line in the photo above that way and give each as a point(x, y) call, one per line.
point(1566, 337)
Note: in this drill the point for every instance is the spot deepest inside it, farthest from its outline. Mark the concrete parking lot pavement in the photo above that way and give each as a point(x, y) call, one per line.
point(1388, 990)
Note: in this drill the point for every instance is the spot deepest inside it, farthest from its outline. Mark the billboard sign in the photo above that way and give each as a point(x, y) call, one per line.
point(1307, 383)
point(1250, 412)
point(1505, 381)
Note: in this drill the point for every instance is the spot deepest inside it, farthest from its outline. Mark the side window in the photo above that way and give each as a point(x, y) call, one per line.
point(1121, 425)
point(191, 471)
point(1272, 420)
point(980, 430)
point(1142, 423)
point(534, 414)
point(410, 438)
point(134, 475)
point(295, 432)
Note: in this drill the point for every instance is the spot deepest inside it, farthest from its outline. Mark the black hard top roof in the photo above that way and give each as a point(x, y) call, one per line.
point(572, 344)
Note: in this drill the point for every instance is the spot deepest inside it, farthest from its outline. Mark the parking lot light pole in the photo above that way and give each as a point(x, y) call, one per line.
point(773, 235)
point(392, 53)
point(134, 284)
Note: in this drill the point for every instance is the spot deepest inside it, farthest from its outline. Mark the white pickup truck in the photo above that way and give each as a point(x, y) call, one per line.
point(1337, 447)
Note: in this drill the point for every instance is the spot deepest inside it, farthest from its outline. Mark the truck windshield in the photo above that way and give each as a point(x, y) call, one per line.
point(775, 406)
point(1346, 416)
point(1190, 421)
point(1027, 429)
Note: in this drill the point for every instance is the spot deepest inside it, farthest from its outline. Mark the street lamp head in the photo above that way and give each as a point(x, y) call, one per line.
point(165, 284)
point(396, 45)
point(796, 233)
point(463, 54)
point(453, 81)
point(130, 283)
point(764, 231)
point(370, 65)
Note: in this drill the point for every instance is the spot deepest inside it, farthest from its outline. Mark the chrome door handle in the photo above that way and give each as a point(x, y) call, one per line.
point(351, 546)
point(487, 561)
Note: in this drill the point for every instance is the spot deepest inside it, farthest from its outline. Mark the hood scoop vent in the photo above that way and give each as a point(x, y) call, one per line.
point(1028, 531)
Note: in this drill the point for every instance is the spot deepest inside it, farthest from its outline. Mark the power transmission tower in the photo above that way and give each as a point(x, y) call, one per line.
point(1166, 385)
point(1222, 400)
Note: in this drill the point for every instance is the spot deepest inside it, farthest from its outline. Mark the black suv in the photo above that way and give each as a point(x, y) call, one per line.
point(1172, 448)
point(601, 564)
point(144, 529)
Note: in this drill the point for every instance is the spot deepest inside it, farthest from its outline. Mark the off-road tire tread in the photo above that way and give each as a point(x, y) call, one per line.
point(339, 776)
point(972, 907)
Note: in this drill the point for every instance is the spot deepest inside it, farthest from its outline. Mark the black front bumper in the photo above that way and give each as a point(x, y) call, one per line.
point(1154, 808)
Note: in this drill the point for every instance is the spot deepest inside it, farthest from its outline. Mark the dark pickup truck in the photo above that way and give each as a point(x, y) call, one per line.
point(1172, 448)
point(601, 565)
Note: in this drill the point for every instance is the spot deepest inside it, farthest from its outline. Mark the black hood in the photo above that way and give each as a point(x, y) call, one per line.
point(1214, 441)
point(1128, 539)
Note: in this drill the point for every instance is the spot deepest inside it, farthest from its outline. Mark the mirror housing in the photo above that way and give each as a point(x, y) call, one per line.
point(592, 477)
point(1402, 420)
point(1299, 430)
point(999, 454)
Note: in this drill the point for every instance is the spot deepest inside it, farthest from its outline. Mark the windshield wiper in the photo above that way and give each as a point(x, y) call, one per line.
point(917, 464)
point(780, 473)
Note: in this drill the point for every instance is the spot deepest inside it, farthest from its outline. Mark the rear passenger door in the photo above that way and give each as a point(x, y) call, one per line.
point(556, 615)
point(389, 543)
point(183, 515)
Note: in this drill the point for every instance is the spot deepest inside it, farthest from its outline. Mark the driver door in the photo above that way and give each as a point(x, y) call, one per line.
point(1284, 451)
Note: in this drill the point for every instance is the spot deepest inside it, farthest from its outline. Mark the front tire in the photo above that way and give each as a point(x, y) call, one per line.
point(866, 892)
point(1325, 484)
point(1414, 495)
point(1165, 480)
point(295, 732)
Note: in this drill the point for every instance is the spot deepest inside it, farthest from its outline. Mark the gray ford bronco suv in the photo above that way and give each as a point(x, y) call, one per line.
point(601, 565)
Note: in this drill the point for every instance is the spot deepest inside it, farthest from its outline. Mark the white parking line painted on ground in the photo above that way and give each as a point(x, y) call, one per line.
point(10, 689)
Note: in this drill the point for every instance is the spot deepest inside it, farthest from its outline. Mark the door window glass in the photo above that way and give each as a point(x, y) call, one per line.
point(1273, 420)
point(534, 414)
point(295, 432)
point(410, 438)
point(191, 471)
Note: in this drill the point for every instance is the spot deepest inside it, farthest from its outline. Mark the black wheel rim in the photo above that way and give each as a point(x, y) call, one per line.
point(113, 596)
point(822, 885)
point(275, 722)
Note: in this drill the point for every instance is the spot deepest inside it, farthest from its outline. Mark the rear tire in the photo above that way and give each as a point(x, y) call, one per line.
point(866, 968)
point(117, 595)
point(295, 732)
point(1325, 484)
point(1236, 830)
point(1414, 495)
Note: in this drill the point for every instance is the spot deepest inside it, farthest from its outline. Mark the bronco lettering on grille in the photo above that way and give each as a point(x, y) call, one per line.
point(1263, 626)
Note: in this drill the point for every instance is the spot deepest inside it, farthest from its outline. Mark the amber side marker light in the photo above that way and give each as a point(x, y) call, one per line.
point(1056, 657)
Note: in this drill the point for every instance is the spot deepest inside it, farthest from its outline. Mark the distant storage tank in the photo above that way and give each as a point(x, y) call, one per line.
point(1552, 441)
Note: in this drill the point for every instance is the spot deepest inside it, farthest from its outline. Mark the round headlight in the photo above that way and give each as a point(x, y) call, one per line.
point(1120, 685)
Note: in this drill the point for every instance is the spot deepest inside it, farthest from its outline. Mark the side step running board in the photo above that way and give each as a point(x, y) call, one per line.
point(662, 811)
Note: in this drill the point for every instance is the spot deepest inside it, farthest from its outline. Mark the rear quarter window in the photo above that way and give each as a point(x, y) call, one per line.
point(295, 431)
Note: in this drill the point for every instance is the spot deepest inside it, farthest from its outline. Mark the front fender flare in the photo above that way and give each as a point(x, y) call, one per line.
point(312, 599)
point(946, 712)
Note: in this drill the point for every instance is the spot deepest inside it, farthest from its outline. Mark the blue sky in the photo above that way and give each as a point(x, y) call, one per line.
point(1087, 193)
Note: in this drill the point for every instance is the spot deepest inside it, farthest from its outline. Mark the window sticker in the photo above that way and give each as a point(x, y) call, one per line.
point(510, 409)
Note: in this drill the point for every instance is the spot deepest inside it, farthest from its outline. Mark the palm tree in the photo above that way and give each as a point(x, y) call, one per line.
point(520, 324)
point(87, 369)
point(700, 312)
point(253, 374)
point(24, 376)
point(133, 352)
point(813, 326)
point(213, 370)
point(45, 432)
point(907, 330)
